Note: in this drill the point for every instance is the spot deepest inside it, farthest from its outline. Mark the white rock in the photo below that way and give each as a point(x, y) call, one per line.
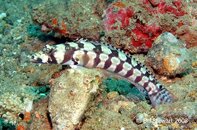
point(70, 95)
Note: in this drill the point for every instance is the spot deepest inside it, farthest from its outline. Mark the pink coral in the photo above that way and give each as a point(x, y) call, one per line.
point(115, 14)
point(144, 34)
point(118, 16)
point(162, 7)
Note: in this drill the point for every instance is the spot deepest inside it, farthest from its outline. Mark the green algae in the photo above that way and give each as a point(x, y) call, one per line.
point(123, 87)
point(35, 31)
point(6, 126)
point(40, 92)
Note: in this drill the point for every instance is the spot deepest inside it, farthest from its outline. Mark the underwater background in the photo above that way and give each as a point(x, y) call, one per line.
point(162, 35)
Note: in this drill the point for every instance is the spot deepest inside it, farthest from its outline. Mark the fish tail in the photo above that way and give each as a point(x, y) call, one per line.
point(160, 97)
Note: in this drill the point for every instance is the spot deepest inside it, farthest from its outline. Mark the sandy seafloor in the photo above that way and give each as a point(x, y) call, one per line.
point(25, 87)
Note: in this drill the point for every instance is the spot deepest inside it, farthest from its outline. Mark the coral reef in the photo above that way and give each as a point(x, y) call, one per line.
point(132, 26)
point(140, 22)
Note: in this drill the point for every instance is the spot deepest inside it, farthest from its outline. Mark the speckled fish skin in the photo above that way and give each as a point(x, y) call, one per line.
point(100, 55)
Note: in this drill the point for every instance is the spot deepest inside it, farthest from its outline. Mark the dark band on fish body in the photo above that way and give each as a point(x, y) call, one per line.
point(52, 59)
point(119, 68)
point(138, 79)
point(146, 84)
point(85, 58)
point(114, 53)
point(129, 73)
point(96, 60)
point(108, 63)
point(68, 56)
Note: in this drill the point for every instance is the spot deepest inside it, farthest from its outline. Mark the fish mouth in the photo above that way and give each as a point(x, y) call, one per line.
point(31, 58)
point(34, 59)
point(39, 57)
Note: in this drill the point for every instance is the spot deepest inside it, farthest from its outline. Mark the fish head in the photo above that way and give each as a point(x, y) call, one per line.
point(52, 54)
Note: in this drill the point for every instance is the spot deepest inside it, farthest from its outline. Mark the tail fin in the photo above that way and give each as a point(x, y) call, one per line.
point(160, 97)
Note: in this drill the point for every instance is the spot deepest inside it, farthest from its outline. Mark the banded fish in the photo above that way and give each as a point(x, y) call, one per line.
point(91, 54)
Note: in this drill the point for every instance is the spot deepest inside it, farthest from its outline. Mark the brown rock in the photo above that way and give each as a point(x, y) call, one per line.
point(188, 35)
point(168, 56)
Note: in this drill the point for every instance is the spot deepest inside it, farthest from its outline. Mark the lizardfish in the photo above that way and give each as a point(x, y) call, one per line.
point(92, 54)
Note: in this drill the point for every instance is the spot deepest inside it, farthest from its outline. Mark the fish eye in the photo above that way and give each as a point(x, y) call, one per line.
point(32, 57)
point(160, 86)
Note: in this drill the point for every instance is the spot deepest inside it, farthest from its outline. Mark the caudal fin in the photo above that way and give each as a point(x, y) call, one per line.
point(160, 97)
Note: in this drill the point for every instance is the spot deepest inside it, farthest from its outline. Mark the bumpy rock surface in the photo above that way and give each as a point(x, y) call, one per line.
point(72, 18)
point(169, 56)
point(70, 95)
